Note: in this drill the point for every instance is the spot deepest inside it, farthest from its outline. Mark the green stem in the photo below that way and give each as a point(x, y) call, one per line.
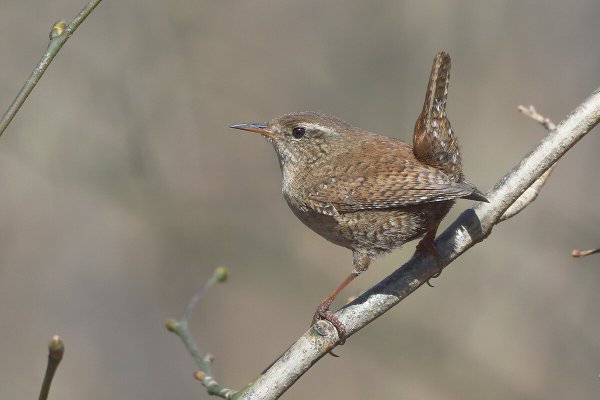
point(180, 328)
point(58, 37)
point(56, 349)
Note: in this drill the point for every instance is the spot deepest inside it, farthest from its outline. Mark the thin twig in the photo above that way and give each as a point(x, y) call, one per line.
point(528, 196)
point(533, 191)
point(60, 33)
point(56, 350)
point(180, 328)
point(584, 253)
point(532, 113)
point(472, 226)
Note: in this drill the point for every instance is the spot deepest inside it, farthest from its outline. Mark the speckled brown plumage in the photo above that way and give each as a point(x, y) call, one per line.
point(367, 192)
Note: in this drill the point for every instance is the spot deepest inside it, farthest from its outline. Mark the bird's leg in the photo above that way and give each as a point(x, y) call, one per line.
point(323, 311)
point(426, 245)
point(361, 263)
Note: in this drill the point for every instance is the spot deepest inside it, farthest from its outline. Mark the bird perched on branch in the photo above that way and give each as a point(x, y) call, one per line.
point(367, 192)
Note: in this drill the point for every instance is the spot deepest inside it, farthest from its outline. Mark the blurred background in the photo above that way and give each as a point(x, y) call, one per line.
point(123, 188)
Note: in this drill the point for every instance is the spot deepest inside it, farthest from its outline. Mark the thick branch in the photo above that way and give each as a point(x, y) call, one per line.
point(61, 32)
point(473, 226)
point(532, 191)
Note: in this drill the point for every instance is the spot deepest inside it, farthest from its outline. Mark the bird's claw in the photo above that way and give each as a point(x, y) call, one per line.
point(323, 312)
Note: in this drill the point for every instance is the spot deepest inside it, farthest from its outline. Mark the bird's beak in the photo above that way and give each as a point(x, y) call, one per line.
point(257, 127)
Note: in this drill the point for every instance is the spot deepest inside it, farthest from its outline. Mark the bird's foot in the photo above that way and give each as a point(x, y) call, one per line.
point(323, 312)
point(426, 245)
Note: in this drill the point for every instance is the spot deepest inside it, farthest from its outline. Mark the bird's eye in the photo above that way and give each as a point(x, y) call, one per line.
point(298, 132)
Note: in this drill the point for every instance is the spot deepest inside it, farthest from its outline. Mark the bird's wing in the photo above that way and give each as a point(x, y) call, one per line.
point(368, 185)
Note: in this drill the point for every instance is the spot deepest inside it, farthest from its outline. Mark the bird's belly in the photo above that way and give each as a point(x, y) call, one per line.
point(375, 231)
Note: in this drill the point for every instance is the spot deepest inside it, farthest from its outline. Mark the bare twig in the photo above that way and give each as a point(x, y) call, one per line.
point(60, 33)
point(584, 253)
point(56, 349)
point(532, 113)
point(528, 196)
point(472, 226)
point(533, 191)
point(203, 362)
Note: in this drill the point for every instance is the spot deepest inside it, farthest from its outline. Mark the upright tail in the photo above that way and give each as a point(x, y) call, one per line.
point(434, 142)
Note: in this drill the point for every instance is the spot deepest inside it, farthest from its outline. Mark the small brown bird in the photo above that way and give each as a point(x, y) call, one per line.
point(367, 192)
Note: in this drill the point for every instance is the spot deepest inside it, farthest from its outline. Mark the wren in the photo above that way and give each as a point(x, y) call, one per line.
point(366, 192)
